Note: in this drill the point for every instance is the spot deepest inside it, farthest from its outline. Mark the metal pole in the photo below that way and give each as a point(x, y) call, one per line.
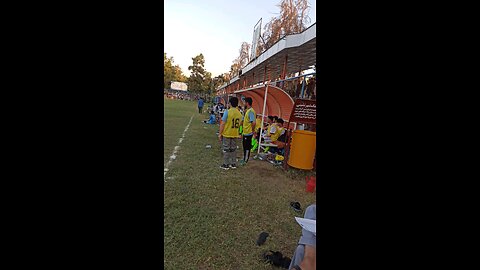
point(263, 117)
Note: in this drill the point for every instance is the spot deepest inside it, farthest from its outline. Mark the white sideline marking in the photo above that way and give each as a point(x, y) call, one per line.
point(174, 156)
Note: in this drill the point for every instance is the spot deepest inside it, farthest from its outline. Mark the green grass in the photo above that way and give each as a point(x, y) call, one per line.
point(212, 217)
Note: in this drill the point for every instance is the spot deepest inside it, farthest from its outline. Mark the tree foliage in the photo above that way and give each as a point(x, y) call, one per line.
point(227, 77)
point(208, 83)
point(171, 72)
point(293, 19)
point(200, 80)
point(219, 81)
point(242, 60)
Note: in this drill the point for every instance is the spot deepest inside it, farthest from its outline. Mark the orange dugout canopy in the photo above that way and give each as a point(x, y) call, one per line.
point(278, 102)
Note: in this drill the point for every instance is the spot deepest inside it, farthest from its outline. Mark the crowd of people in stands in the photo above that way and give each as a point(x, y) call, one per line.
point(294, 87)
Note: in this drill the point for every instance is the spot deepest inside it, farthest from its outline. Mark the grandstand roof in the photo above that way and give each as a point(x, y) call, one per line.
point(299, 50)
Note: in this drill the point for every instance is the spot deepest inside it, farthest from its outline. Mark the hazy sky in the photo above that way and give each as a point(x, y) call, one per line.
point(215, 28)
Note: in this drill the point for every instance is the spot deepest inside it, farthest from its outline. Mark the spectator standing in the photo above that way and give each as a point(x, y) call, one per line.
point(298, 90)
point(200, 105)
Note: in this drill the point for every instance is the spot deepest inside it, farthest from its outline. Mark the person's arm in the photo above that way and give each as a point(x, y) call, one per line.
point(222, 125)
point(251, 116)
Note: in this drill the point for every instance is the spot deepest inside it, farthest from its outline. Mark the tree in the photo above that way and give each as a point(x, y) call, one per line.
point(244, 57)
point(242, 60)
point(208, 84)
point(171, 72)
point(234, 68)
point(198, 74)
point(293, 19)
point(218, 81)
point(227, 77)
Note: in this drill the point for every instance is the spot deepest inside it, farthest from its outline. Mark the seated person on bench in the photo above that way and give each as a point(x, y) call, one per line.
point(258, 124)
point(279, 136)
point(270, 130)
point(282, 138)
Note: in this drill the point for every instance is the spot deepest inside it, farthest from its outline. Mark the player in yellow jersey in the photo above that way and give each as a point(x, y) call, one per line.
point(258, 124)
point(276, 130)
point(271, 129)
point(266, 127)
point(248, 124)
point(279, 138)
point(229, 134)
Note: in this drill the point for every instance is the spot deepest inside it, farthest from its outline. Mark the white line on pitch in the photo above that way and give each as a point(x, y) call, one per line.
point(173, 156)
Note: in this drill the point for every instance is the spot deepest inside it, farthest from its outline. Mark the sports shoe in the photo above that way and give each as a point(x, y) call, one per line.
point(233, 166)
point(243, 163)
point(225, 167)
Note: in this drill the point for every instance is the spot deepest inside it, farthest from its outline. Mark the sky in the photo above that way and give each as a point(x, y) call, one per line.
point(215, 28)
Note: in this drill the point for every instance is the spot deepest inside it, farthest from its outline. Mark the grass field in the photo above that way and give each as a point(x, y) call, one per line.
point(212, 217)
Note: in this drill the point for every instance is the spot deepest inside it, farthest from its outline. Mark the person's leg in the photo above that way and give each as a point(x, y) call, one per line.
point(244, 141)
point(233, 151)
point(297, 256)
point(225, 150)
point(248, 143)
point(307, 238)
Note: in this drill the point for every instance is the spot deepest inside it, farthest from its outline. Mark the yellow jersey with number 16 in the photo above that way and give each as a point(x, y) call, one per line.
point(232, 124)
